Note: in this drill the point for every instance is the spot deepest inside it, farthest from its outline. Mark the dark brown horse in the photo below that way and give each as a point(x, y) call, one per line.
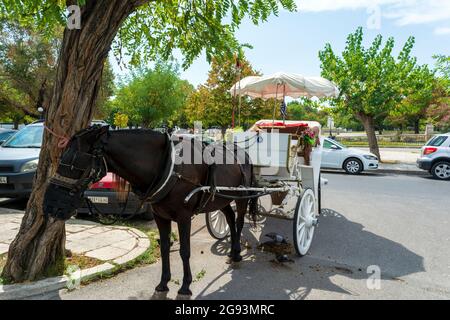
point(146, 159)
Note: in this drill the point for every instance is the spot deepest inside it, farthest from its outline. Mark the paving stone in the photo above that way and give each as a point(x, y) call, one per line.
point(8, 235)
point(145, 243)
point(139, 233)
point(76, 228)
point(8, 226)
point(4, 248)
point(106, 253)
point(130, 256)
point(97, 230)
point(126, 244)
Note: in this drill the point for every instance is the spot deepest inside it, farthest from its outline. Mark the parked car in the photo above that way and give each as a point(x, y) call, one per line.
point(5, 134)
point(104, 197)
point(352, 160)
point(18, 161)
point(435, 157)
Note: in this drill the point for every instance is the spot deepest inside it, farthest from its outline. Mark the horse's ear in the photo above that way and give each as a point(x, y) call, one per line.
point(103, 130)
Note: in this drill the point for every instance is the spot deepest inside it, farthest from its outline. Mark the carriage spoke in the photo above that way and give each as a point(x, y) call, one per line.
point(216, 221)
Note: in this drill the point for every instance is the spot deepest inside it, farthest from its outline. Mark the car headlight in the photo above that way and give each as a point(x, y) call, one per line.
point(370, 157)
point(30, 166)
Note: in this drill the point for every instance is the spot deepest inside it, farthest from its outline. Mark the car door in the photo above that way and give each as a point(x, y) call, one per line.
point(331, 155)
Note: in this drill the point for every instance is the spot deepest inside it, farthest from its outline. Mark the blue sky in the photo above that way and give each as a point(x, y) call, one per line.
point(291, 41)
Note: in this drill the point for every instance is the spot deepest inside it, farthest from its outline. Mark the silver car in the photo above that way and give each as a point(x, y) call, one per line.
point(435, 157)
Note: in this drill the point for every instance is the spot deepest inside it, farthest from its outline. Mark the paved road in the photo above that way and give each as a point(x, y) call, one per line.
point(398, 223)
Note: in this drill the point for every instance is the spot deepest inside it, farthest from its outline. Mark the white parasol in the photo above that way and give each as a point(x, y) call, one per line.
point(280, 85)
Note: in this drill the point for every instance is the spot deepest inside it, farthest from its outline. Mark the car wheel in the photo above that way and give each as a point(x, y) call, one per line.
point(353, 166)
point(441, 170)
point(148, 213)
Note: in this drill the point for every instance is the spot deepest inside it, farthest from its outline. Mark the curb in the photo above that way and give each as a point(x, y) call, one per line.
point(388, 171)
point(404, 172)
point(24, 291)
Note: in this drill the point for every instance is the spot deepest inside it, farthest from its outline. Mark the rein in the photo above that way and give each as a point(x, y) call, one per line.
point(63, 140)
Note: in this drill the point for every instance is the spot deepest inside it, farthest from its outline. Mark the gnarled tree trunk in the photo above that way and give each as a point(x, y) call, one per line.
point(369, 126)
point(38, 249)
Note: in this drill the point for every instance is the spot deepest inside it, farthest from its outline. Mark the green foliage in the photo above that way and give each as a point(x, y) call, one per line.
point(27, 71)
point(156, 28)
point(121, 120)
point(213, 104)
point(27, 62)
point(439, 111)
point(372, 81)
point(151, 95)
point(307, 109)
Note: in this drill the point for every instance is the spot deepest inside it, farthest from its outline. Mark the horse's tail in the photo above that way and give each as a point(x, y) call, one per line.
point(253, 203)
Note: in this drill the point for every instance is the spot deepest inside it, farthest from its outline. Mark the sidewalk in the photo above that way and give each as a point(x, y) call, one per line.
point(111, 245)
point(399, 160)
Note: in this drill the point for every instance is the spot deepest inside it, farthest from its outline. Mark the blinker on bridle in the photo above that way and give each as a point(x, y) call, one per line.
point(91, 166)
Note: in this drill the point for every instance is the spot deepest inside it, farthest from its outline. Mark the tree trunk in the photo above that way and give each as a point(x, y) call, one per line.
point(369, 126)
point(417, 126)
point(38, 249)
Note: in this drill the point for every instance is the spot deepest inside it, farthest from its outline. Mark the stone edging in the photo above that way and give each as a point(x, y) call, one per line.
point(23, 291)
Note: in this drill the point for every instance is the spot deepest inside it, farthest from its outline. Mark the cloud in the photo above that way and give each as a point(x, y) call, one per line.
point(442, 31)
point(402, 12)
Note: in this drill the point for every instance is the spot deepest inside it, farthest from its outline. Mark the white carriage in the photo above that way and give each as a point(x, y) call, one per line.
point(283, 172)
point(285, 166)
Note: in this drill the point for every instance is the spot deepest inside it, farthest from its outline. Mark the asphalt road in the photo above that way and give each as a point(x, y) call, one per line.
point(399, 224)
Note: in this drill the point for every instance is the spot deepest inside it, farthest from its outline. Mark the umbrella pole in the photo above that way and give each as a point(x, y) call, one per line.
point(240, 101)
point(284, 102)
point(275, 107)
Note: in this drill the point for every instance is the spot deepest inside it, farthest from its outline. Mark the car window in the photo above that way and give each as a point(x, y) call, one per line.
point(28, 137)
point(5, 135)
point(327, 144)
point(437, 141)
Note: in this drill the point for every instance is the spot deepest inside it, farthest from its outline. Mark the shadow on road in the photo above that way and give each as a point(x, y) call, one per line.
point(340, 248)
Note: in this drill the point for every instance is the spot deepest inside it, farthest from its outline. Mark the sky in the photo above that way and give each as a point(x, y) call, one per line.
point(291, 41)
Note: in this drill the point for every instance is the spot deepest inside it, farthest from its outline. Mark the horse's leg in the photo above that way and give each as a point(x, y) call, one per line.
point(184, 229)
point(231, 220)
point(241, 207)
point(164, 227)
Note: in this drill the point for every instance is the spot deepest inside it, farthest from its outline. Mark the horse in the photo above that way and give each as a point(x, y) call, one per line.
point(147, 160)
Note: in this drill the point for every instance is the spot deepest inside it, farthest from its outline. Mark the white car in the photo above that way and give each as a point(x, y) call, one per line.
point(435, 157)
point(353, 161)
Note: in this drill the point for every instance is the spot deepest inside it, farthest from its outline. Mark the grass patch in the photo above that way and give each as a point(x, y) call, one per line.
point(81, 262)
point(383, 144)
point(2, 265)
point(199, 276)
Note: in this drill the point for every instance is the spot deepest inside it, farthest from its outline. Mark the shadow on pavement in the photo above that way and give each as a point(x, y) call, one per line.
point(340, 248)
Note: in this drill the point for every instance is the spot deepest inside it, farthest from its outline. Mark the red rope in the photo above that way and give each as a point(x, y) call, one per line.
point(63, 140)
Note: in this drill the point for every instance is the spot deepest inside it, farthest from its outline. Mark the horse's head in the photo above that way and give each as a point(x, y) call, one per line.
point(81, 164)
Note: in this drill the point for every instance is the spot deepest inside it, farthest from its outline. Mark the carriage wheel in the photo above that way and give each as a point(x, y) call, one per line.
point(217, 225)
point(305, 221)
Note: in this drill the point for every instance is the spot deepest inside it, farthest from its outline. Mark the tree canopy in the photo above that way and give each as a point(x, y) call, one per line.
point(373, 82)
point(151, 95)
point(156, 28)
point(213, 104)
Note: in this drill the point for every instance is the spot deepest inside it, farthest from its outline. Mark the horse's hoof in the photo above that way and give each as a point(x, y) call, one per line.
point(162, 288)
point(183, 297)
point(237, 258)
point(159, 295)
point(184, 292)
